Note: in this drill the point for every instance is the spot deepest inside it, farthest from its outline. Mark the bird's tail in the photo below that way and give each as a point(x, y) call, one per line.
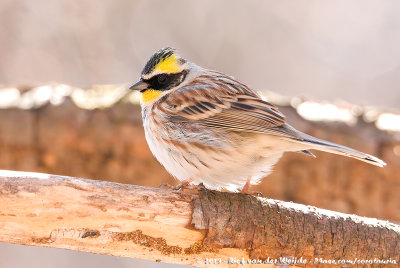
point(334, 148)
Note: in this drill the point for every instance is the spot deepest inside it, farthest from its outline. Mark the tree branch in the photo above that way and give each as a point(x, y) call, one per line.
point(180, 227)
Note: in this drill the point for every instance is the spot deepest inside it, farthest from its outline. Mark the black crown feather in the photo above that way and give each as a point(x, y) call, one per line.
point(159, 56)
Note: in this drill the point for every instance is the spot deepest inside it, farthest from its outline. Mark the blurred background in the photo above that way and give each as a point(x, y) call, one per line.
point(332, 66)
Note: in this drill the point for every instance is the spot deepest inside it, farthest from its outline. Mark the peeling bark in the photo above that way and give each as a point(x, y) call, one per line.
point(180, 227)
point(270, 228)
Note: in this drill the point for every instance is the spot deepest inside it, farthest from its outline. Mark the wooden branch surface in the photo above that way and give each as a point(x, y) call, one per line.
point(180, 227)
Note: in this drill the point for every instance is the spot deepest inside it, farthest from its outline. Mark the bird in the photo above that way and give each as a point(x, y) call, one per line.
point(208, 128)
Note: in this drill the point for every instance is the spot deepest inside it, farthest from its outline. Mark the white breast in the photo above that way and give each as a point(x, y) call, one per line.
point(169, 156)
point(227, 162)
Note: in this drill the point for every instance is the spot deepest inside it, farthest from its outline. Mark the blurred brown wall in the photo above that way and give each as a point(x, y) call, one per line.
point(109, 144)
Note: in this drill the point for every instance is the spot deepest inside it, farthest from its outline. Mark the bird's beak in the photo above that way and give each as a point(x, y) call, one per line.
point(140, 86)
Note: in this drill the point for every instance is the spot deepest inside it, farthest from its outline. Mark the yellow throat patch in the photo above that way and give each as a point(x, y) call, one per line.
point(169, 65)
point(150, 95)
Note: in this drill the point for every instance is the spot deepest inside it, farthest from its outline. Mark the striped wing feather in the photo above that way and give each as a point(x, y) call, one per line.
point(218, 101)
point(229, 105)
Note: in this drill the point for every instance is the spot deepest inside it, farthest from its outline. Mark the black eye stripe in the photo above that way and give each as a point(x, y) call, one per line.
point(162, 78)
point(166, 81)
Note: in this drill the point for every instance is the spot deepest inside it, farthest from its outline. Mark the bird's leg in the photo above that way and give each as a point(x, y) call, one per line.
point(246, 190)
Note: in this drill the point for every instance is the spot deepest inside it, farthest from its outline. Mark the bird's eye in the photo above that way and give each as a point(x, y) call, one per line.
point(162, 78)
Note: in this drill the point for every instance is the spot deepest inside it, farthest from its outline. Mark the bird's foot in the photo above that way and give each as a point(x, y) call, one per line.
point(246, 190)
point(180, 187)
point(166, 185)
point(255, 193)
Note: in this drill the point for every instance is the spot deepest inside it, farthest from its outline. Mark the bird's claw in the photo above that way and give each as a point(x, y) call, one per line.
point(180, 187)
point(254, 193)
point(166, 185)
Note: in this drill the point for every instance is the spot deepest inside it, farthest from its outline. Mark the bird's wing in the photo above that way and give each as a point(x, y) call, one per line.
point(219, 101)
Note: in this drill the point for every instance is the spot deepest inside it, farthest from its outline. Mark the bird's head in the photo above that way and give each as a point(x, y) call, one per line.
point(163, 72)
